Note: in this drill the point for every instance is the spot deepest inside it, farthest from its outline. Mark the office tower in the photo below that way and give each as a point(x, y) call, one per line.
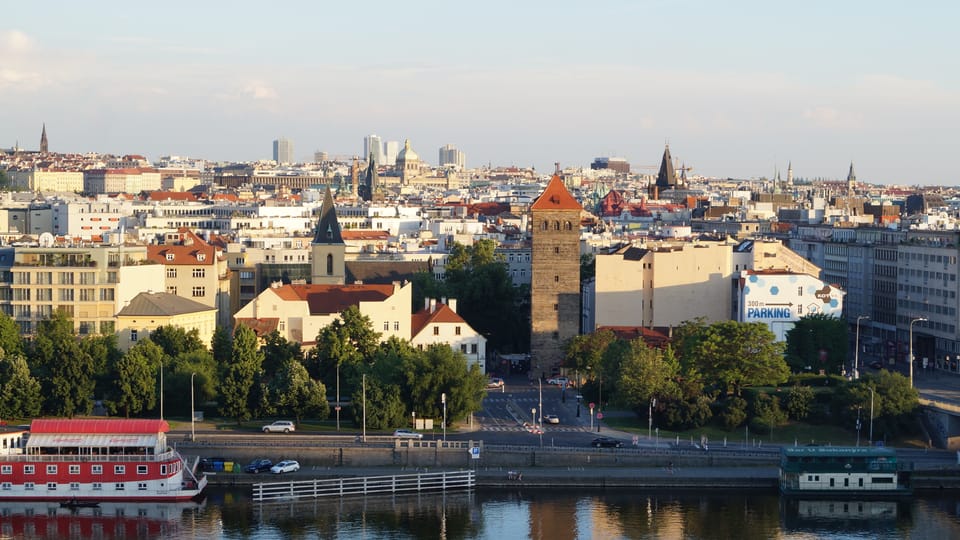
point(319, 156)
point(283, 151)
point(391, 149)
point(373, 145)
point(449, 155)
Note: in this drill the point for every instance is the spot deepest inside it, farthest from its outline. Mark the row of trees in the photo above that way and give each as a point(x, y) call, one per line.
point(59, 374)
point(730, 373)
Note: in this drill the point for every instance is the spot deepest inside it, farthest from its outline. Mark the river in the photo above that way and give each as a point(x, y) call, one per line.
point(499, 515)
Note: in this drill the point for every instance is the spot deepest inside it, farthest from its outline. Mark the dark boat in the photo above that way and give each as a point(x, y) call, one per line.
point(75, 503)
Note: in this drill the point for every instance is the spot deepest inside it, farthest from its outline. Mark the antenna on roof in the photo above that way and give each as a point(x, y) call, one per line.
point(556, 165)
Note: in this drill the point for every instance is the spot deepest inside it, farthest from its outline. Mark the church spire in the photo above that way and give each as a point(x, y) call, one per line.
point(328, 228)
point(43, 140)
point(666, 177)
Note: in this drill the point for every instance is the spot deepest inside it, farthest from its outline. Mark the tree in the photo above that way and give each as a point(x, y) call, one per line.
point(799, 401)
point(816, 342)
point(584, 352)
point(10, 341)
point(175, 340)
point(740, 354)
point(65, 371)
point(177, 380)
point(277, 351)
point(895, 402)
point(240, 374)
point(734, 412)
point(296, 394)
point(439, 370)
point(136, 378)
point(384, 407)
point(642, 374)
point(588, 267)
point(19, 391)
point(766, 413)
point(343, 345)
point(104, 354)
point(222, 346)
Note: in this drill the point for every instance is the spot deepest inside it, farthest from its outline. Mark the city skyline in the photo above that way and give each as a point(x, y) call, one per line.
point(737, 90)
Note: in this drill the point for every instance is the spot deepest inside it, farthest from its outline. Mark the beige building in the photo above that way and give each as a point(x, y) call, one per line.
point(148, 311)
point(89, 284)
point(52, 179)
point(438, 322)
point(194, 269)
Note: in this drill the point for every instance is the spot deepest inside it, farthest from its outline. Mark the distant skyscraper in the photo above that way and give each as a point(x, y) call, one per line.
point(449, 155)
point(283, 150)
point(43, 139)
point(373, 145)
point(319, 156)
point(391, 149)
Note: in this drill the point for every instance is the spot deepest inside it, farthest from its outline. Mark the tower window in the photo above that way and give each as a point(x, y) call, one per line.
point(556, 250)
point(545, 226)
point(329, 264)
point(568, 226)
point(556, 225)
point(556, 278)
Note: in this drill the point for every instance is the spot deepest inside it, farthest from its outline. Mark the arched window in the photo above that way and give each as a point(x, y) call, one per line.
point(556, 225)
point(545, 226)
point(567, 226)
point(329, 264)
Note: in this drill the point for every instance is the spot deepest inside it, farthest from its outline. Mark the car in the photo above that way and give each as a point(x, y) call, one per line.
point(258, 466)
point(551, 419)
point(876, 364)
point(280, 426)
point(559, 381)
point(285, 466)
point(606, 442)
point(495, 382)
point(407, 434)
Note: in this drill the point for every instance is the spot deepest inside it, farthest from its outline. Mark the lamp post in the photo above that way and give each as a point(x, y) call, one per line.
point(193, 433)
point(363, 395)
point(911, 348)
point(856, 350)
point(858, 425)
point(338, 395)
point(871, 414)
point(443, 399)
point(161, 389)
point(653, 403)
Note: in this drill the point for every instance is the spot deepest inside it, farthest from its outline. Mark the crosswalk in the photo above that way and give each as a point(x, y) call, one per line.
point(546, 429)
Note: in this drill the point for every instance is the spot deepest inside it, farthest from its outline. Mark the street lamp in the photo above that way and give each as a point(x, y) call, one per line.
point(161, 389)
point(443, 399)
point(653, 403)
point(363, 395)
point(858, 425)
point(338, 395)
point(871, 414)
point(533, 415)
point(856, 350)
point(911, 347)
point(193, 433)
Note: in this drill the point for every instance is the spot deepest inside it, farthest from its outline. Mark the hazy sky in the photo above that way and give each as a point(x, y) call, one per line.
point(737, 88)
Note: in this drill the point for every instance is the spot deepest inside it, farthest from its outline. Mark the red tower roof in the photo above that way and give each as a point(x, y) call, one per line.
point(556, 197)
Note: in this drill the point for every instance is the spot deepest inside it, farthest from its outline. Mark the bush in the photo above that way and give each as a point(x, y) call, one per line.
point(682, 415)
point(760, 426)
point(799, 400)
point(734, 413)
point(767, 408)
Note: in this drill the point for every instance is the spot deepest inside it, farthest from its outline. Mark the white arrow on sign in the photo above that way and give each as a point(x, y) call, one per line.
point(475, 452)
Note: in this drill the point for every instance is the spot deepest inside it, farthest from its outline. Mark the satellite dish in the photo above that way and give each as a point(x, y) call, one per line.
point(46, 240)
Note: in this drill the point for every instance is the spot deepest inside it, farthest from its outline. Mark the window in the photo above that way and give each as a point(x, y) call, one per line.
point(141, 469)
point(556, 225)
point(74, 486)
point(556, 250)
point(66, 295)
point(199, 272)
point(436, 330)
point(51, 469)
point(96, 469)
point(119, 469)
point(169, 256)
point(28, 469)
point(118, 486)
point(202, 257)
point(74, 469)
point(198, 292)
point(88, 295)
point(456, 330)
point(142, 486)
point(396, 326)
point(6, 469)
point(556, 279)
point(106, 295)
point(28, 486)
point(171, 272)
point(545, 226)
point(172, 290)
point(66, 278)
point(51, 486)
point(133, 335)
point(386, 326)
point(246, 275)
point(473, 348)
point(556, 307)
point(163, 470)
point(567, 226)
point(7, 486)
point(329, 264)
point(97, 486)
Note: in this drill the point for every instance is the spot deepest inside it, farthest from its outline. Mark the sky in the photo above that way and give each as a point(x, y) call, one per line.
point(738, 89)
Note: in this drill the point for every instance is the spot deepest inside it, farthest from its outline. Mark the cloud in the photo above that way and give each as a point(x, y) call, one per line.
point(14, 41)
point(827, 117)
point(258, 90)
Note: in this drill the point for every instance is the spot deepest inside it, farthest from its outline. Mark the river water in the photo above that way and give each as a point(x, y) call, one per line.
point(499, 515)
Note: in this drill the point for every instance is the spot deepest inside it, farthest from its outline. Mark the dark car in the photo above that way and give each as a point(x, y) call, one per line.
point(606, 442)
point(258, 466)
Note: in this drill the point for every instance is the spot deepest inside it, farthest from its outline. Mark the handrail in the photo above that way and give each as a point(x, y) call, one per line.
point(87, 458)
point(364, 485)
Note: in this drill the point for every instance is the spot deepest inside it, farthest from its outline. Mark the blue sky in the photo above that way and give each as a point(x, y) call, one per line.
point(737, 88)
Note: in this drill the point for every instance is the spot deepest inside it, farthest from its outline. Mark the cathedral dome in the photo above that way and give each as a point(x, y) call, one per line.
point(407, 154)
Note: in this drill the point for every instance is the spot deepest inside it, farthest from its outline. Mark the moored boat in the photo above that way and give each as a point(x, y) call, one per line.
point(842, 471)
point(87, 460)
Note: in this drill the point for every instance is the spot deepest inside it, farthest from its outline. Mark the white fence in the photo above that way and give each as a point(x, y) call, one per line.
point(368, 485)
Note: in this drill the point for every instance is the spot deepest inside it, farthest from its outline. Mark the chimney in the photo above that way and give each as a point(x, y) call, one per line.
point(426, 303)
point(443, 300)
point(453, 304)
point(433, 305)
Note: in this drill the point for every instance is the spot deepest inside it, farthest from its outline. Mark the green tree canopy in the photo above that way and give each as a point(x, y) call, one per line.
point(894, 403)
point(10, 341)
point(65, 371)
point(816, 342)
point(584, 352)
point(344, 345)
point(379, 404)
point(737, 354)
point(239, 375)
point(277, 351)
point(137, 376)
point(175, 340)
point(296, 394)
point(19, 391)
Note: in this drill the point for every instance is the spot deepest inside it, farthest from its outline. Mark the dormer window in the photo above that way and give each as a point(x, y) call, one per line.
point(169, 256)
point(201, 257)
point(329, 232)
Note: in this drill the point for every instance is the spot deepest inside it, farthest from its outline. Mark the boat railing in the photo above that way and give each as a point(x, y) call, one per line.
point(83, 458)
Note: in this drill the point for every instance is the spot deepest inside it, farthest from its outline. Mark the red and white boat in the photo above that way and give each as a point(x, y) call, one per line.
point(94, 460)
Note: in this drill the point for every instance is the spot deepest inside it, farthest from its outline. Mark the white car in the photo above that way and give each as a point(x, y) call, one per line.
point(280, 426)
point(551, 419)
point(407, 434)
point(285, 467)
point(559, 381)
point(495, 382)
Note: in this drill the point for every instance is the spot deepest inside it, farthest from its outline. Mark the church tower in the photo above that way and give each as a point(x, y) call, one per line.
point(43, 140)
point(666, 176)
point(327, 250)
point(851, 181)
point(555, 278)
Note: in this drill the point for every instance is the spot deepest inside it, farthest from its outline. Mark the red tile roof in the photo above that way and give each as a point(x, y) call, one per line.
point(104, 426)
point(442, 314)
point(556, 197)
point(328, 299)
point(651, 337)
point(261, 327)
point(171, 196)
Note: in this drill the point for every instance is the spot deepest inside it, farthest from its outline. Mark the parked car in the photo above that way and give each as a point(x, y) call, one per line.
point(606, 442)
point(495, 382)
point(258, 466)
point(407, 434)
point(285, 467)
point(280, 426)
point(559, 381)
point(551, 419)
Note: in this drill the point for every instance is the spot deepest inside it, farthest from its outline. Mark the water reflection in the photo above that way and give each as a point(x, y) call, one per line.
point(108, 520)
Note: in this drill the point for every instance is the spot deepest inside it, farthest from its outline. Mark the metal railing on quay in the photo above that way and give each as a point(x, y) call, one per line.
point(368, 485)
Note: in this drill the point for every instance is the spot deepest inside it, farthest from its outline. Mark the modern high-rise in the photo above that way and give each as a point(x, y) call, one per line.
point(390, 151)
point(450, 156)
point(283, 150)
point(373, 145)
